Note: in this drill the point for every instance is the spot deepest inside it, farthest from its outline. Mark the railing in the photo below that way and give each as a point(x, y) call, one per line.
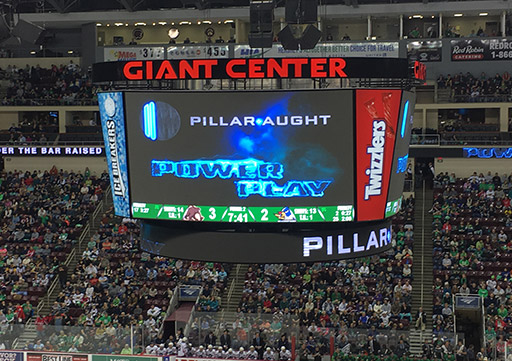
point(85, 233)
point(243, 329)
point(233, 283)
point(192, 314)
point(48, 102)
point(93, 341)
point(173, 303)
point(429, 140)
point(425, 139)
point(490, 98)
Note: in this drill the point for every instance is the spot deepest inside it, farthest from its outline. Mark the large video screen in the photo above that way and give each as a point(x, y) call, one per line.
point(241, 156)
point(257, 156)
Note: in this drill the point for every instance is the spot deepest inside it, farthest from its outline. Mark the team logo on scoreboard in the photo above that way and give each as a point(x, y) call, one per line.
point(193, 213)
point(285, 215)
point(376, 150)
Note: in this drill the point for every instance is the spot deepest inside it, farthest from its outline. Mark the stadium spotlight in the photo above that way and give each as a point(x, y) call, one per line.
point(173, 33)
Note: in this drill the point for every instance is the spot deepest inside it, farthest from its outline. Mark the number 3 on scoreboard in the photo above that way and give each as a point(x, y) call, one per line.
point(264, 214)
point(212, 213)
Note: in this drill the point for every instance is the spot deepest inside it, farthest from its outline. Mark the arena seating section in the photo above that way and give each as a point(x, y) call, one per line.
point(42, 216)
point(477, 88)
point(58, 85)
point(337, 299)
point(471, 235)
point(115, 285)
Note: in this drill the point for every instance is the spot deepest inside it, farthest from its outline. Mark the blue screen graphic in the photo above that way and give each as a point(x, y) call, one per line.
point(150, 120)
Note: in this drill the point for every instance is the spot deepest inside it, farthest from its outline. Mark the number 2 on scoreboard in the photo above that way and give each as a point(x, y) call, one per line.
point(264, 214)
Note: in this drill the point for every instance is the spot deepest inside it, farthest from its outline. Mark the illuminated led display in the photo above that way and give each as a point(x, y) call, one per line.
point(150, 127)
point(273, 156)
point(404, 119)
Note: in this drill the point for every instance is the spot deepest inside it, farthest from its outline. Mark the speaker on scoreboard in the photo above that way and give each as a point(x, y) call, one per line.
point(28, 32)
point(288, 39)
point(310, 37)
point(302, 36)
point(261, 33)
point(261, 40)
point(301, 11)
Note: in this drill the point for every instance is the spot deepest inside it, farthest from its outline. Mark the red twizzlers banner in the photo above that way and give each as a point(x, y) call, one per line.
point(376, 126)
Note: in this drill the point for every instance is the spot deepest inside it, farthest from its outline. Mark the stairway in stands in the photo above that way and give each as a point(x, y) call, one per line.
point(232, 295)
point(46, 302)
point(422, 270)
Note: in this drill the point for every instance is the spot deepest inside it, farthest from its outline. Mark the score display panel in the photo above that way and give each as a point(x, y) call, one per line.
point(257, 157)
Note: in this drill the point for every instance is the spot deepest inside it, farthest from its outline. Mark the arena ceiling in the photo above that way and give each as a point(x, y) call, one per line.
point(66, 6)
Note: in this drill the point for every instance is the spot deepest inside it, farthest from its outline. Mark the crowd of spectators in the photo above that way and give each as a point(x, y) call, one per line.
point(472, 244)
point(33, 128)
point(58, 85)
point(41, 218)
point(363, 304)
point(345, 300)
point(482, 88)
point(115, 287)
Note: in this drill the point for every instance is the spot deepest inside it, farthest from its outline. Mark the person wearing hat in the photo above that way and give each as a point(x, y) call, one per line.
point(183, 348)
point(220, 352)
point(268, 354)
point(252, 354)
point(151, 349)
point(161, 350)
point(284, 354)
point(211, 352)
point(230, 355)
point(241, 354)
point(200, 352)
point(171, 349)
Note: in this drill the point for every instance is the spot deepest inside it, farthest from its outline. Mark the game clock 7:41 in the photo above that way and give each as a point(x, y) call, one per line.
point(242, 214)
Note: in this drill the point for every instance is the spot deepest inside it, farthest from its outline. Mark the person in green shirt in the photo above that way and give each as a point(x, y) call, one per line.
point(335, 296)
point(482, 292)
point(502, 311)
point(28, 309)
point(10, 315)
point(337, 355)
point(490, 334)
point(126, 350)
point(307, 277)
point(91, 244)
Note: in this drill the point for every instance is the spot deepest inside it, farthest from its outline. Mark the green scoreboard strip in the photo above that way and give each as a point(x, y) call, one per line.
point(393, 207)
point(242, 214)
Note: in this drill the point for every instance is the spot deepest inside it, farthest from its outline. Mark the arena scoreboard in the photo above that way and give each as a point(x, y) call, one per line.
point(259, 176)
point(257, 156)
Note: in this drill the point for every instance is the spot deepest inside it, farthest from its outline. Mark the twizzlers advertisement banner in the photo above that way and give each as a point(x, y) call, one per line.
point(376, 123)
